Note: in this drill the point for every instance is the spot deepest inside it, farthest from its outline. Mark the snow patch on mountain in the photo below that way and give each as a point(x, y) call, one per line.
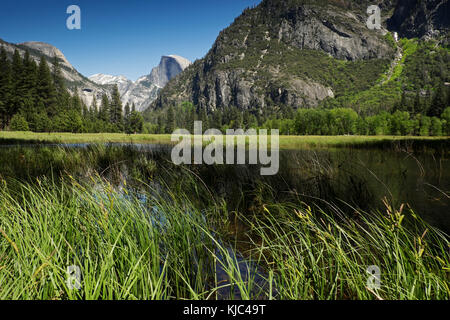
point(108, 79)
point(144, 90)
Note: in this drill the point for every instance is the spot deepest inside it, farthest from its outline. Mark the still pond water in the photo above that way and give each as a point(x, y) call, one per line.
point(352, 177)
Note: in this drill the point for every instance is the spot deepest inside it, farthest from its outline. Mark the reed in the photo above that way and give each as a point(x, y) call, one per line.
point(166, 247)
point(139, 227)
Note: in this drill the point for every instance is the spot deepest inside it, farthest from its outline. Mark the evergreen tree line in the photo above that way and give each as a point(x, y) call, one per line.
point(35, 98)
point(165, 121)
point(344, 121)
point(320, 121)
point(110, 118)
point(424, 102)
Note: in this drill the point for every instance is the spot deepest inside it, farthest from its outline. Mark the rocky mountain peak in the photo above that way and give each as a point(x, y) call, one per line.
point(107, 79)
point(300, 52)
point(182, 62)
point(257, 60)
point(144, 91)
point(48, 50)
point(169, 67)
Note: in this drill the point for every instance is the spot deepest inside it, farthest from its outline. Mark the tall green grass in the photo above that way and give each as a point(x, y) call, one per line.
point(165, 247)
point(320, 255)
point(126, 249)
point(139, 227)
point(286, 142)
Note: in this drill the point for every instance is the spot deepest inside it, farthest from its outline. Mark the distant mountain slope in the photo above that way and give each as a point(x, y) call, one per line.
point(106, 79)
point(74, 80)
point(296, 53)
point(284, 52)
point(144, 91)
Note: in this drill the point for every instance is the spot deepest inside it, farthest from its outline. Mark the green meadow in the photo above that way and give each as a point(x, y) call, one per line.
point(286, 142)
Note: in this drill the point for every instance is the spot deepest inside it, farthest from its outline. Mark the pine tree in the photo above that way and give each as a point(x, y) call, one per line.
point(76, 103)
point(58, 79)
point(104, 109)
point(18, 123)
point(62, 94)
point(116, 109)
point(127, 126)
point(127, 110)
point(5, 89)
point(76, 121)
point(85, 113)
point(94, 109)
point(18, 91)
point(45, 89)
point(161, 126)
point(136, 122)
point(438, 103)
point(28, 83)
point(189, 120)
point(170, 126)
point(43, 123)
point(30, 76)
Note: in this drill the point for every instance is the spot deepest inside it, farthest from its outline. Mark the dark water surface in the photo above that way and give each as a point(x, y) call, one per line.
point(365, 177)
point(357, 177)
point(348, 178)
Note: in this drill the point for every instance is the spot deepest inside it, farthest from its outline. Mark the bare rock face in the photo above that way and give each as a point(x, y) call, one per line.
point(333, 29)
point(252, 63)
point(419, 19)
point(168, 68)
point(49, 51)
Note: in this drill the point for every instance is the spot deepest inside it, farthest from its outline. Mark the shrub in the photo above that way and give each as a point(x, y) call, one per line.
point(18, 123)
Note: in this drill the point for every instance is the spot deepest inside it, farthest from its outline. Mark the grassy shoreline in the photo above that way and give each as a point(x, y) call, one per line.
point(139, 227)
point(170, 249)
point(286, 142)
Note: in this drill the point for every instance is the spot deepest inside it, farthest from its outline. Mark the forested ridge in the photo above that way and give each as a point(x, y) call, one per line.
point(34, 97)
point(415, 100)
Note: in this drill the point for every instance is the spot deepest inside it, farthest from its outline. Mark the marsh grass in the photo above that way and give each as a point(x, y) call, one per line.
point(141, 228)
point(286, 142)
point(166, 248)
point(126, 249)
point(324, 255)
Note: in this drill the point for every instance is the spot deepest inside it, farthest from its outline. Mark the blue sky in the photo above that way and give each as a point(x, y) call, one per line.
point(121, 37)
